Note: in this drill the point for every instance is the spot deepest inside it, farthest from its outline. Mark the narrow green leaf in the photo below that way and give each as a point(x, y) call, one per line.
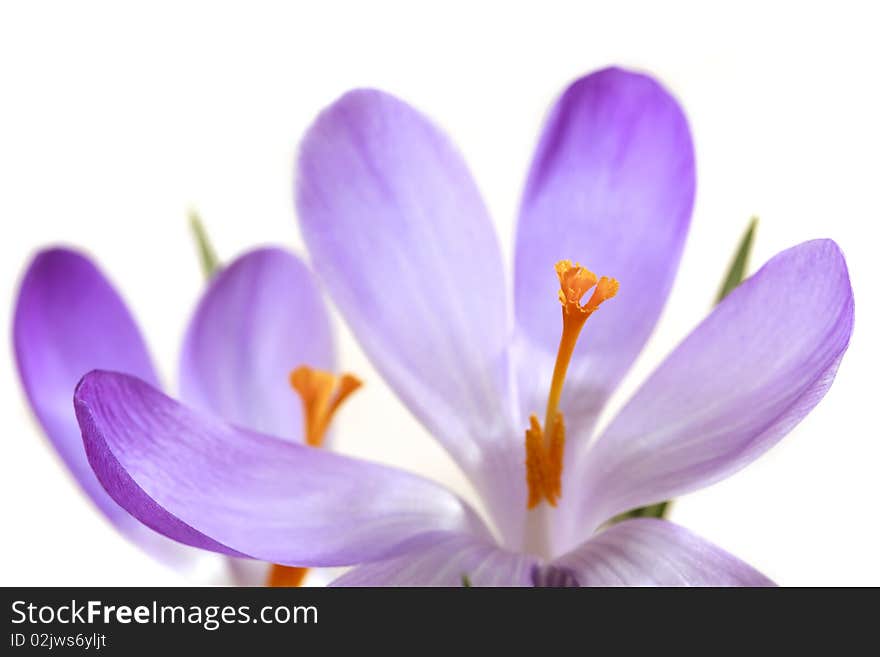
point(466, 581)
point(207, 256)
point(735, 275)
point(658, 510)
point(740, 264)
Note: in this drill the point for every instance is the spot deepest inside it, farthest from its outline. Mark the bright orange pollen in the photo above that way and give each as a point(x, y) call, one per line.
point(544, 461)
point(321, 394)
point(545, 449)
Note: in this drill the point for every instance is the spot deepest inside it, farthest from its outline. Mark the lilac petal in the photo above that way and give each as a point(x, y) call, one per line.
point(399, 234)
point(612, 187)
point(260, 318)
point(247, 572)
point(68, 321)
point(443, 559)
point(649, 552)
point(742, 380)
point(203, 482)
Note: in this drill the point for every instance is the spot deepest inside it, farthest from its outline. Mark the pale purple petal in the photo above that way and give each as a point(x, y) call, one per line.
point(649, 552)
point(260, 318)
point(742, 380)
point(248, 572)
point(399, 234)
point(444, 559)
point(201, 481)
point(611, 186)
point(69, 320)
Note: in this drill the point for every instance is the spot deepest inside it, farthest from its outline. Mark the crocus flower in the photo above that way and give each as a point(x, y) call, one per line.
point(259, 318)
point(402, 241)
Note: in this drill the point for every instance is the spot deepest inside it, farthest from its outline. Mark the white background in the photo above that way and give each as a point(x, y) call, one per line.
point(115, 119)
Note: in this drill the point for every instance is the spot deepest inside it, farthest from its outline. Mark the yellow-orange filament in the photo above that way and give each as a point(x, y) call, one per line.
point(545, 448)
point(321, 394)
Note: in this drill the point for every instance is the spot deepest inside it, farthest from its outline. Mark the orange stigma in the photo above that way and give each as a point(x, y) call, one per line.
point(545, 446)
point(321, 394)
point(574, 282)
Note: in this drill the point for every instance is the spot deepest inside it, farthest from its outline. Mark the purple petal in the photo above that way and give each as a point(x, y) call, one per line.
point(648, 552)
point(203, 482)
point(444, 559)
point(69, 320)
point(260, 318)
point(611, 186)
point(398, 232)
point(742, 380)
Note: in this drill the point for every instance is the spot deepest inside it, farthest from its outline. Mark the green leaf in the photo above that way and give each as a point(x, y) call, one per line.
point(207, 256)
point(658, 510)
point(735, 275)
point(740, 264)
point(466, 581)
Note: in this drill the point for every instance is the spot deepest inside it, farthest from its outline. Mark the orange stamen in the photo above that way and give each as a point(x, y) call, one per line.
point(545, 449)
point(544, 462)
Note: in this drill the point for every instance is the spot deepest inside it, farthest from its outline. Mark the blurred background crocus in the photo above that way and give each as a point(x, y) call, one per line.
point(258, 319)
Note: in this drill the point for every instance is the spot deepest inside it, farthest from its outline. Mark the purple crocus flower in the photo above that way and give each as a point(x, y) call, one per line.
point(260, 317)
point(402, 241)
